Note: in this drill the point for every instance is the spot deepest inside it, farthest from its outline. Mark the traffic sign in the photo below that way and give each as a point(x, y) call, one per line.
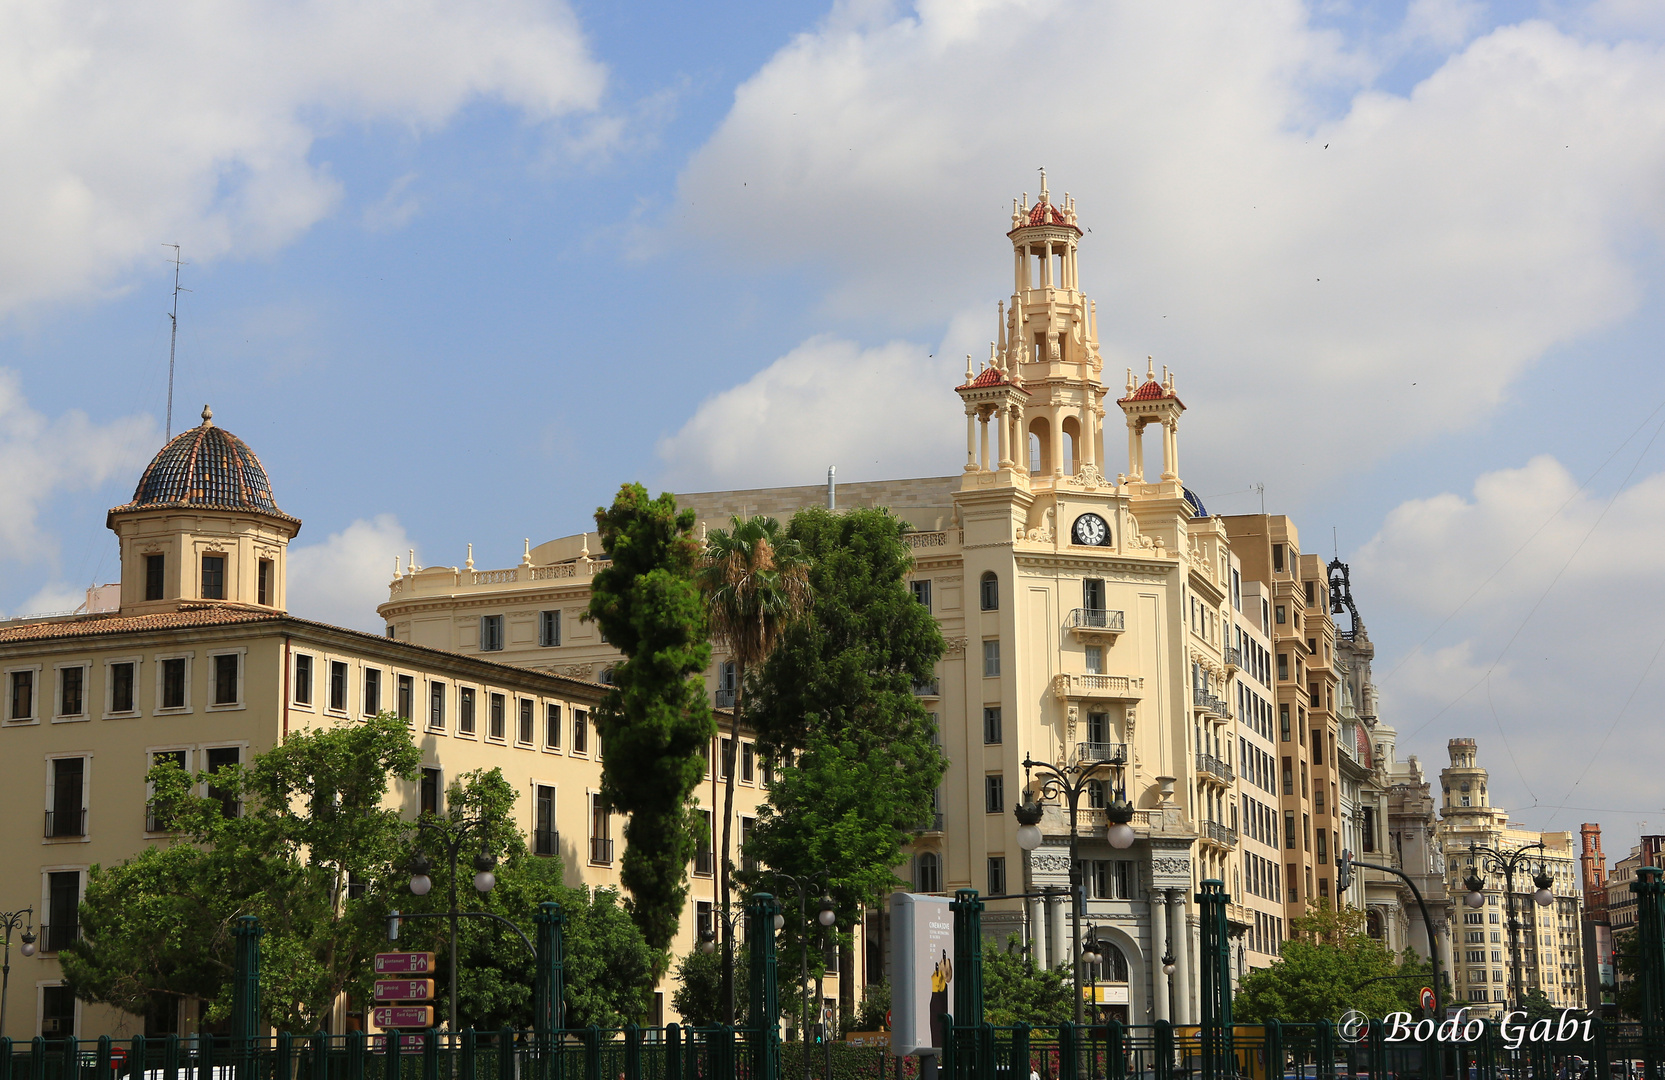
point(409, 1043)
point(403, 1016)
point(404, 990)
point(404, 963)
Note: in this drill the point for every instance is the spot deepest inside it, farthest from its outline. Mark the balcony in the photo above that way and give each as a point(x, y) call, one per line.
point(927, 689)
point(601, 850)
point(1213, 766)
point(1234, 656)
point(1096, 622)
point(705, 862)
point(725, 699)
point(935, 824)
point(66, 823)
point(58, 936)
point(1110, 753)
point(1219, 834)
point(546, 841)
point(1207, 702)
point(1098, 687)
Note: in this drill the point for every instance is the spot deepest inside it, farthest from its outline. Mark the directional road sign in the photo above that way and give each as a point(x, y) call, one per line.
point(404, 963)
point(404, 990)
point(403, 1016)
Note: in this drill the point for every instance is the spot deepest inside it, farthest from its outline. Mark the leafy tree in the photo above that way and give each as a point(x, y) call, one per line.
point(835, 703)
point(1330, 965)
point(655, 722)
point(312, 824)
point(1016, 990)
point(698, 996)
point(874, 1012)
point(756, 583)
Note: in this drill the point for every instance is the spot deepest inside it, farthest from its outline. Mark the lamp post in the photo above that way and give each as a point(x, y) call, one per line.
point(827, 915)
point(1507, 863)
point(12, 920)
point(452, 834)
point(1066, 781)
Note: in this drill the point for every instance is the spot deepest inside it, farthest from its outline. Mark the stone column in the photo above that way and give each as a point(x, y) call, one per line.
point(984, 431)
point(970, 439)
point(1135, 451)
point(1170, 450)
point(1056, 935)
point(1158, 949)
point(1005, 436)
point(1037, 931)
point(1180, 935)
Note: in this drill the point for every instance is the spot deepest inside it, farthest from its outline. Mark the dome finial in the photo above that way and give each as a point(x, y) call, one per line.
point(207, 416)
point(1044, 192)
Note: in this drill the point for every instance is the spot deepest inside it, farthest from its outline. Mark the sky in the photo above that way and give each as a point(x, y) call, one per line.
point(458, 271)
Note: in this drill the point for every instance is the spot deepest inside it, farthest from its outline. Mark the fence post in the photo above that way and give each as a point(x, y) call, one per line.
point(135, 1061)
point(1068, 1059)
point(632, 1052)
point(245, 982)
point(355, 1055)
point(430, 1054)
point(1020, 1052)
point(549, 986)
point(470, 1063)
point(1274, 1049)
point(393, 1046)
point(285, 1049)
point(673, 1052)
point(320, 1058)
point(592, 1053)
point(1216, 980)
point(1164, 1063)
point(763, 999)
point(1325, 1053)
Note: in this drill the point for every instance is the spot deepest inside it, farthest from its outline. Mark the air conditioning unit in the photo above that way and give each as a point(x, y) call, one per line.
point(50, 1025)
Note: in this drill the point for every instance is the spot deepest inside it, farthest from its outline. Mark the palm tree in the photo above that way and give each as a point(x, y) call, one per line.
point(756, 583)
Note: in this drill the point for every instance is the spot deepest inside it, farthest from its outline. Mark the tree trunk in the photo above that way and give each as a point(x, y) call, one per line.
point(726, 764)
point(846, 985)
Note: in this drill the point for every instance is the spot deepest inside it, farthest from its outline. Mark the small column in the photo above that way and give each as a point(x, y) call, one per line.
point(1180, 935)
point(1084, 447)
point(1037, 931)
point(1005, 436)
point(1170, 450)
point(1046, 265)
point(970, 439)
point(1056, 938)
point(983, 433)
point(1135, 452)
point(1158, 949)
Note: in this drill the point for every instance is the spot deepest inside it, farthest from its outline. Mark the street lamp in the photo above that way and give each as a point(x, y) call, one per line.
point(826, 915)
point(1066, 782)
point(1508, 863)
point(12, 920)
point(452, 835)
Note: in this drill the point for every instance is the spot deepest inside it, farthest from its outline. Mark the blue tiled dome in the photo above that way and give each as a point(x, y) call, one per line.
point(206, 467)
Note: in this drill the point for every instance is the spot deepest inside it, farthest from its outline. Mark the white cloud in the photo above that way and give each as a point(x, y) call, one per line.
point(340, 580)
point(128, 126)
point(873, 413)
point(43, 456)
point(1559, 630)
point(1263, 220)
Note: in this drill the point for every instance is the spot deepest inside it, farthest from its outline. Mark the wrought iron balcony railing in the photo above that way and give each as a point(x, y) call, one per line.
point(66, 823)
point(601, 850)
point(1208, 763)
point(1097, 619)
point(546, 841)
point(1111, 753)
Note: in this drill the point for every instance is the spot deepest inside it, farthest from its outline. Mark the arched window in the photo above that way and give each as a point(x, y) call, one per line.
point(1113, 968)
point(928, 872)
point(607, 676)
point(990, 592)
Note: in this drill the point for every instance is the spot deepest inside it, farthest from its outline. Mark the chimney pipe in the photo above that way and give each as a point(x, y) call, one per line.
point(832, 488)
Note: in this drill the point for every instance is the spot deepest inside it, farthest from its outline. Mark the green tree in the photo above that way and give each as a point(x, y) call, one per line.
point(312, 826)
point(1328, 966)
point(1016, 990)
point(655, 723)
point(756, 583)
point(699, 995)
point(835, 703)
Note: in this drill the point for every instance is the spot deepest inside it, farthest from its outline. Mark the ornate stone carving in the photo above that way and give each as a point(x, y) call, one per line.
point(1088, 478)
point(578, 671)
point(1050, 862)
point(1170, 864)
point(954, 646)
point(1061, 686)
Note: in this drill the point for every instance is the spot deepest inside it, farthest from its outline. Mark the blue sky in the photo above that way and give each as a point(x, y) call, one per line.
point(457, 272)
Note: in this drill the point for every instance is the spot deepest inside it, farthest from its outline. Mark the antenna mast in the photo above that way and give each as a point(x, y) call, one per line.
point(173, 335)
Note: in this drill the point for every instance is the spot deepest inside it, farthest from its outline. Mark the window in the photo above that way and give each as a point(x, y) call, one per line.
point(1323, 849)
point(121, 687)
point(543, 823)
point(68, 816)
point(63, 891)
point(525, 734)
point(1283, 667)
point(1097, 797)
point(552, 726)
point(1283, 722)
point(496, 720)
point(748, 862)
point(213, 577)
point(263, 583)
point(372, 691)
point(921, 591)
point(1277, 561)
point(1312, 693)
point(601, 830)
point(153, 823)
point(748, 762)
point(704, 862)
point(991, 658)
point(1309, 598)
point(994, 794)
point(436, 706)
point(1288, 776)
point(23, 696)
point(991, 725)
point(173, 683)
point(431, 789)
point(997, 875)
point(303, 680)
point(491, 633)
point(227, 669)
point(1095, 659)
point(549, 629)
point(1092, 594)
point(155, 567)
point(222, 757)
point(1317, 747)
point(989, 591)
point(580, 731)
point(72, 697)
point(928, 872)
point(1289, 830)
point(465, 710)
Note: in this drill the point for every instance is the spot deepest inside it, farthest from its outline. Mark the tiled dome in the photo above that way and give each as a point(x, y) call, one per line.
point(205, 467)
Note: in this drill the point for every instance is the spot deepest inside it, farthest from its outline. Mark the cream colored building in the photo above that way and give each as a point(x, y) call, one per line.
point(199, 661)
point(1551, 939)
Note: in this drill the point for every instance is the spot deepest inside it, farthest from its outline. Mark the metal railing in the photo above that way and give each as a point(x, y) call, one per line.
point(546, 841)
point(725, 699)
point(1206, 701)
point(1234, 656)
point(1113, 753)
point(1220, 834)
point(705, 861)
point(1208, 763)
point(66, 823)
point(59, 935)
point(927, 689)
point(1086, 618)
point(601, 850)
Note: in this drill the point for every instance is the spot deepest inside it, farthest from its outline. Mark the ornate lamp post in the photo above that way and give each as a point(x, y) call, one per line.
point(1508, 863)
point(452, 834)
point(826, 915)
point(1065, 782)
point(12, 920)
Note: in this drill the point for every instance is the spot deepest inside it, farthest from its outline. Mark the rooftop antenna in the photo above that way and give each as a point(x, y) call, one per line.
point(1260, 489)
point(173, 335)
point(1335, 541)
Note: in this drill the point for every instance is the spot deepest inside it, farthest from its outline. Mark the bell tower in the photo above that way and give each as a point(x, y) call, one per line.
point(1149, 403)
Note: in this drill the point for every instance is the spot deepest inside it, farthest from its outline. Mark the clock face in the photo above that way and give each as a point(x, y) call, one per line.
point(1091, 530)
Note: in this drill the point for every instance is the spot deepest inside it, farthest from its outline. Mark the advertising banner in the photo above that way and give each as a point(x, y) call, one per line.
point(922, 972)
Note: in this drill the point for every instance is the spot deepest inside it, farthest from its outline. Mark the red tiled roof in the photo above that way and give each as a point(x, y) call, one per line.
point(112, 623)
point(991, 376)
point(1151, 391)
